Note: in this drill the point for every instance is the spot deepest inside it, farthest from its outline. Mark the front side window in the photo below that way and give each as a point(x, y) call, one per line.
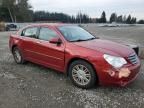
point(47, 34)
point(30, 32)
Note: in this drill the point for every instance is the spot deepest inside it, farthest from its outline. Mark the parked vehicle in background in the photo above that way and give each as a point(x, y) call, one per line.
point(86, 59)
point(11, 27)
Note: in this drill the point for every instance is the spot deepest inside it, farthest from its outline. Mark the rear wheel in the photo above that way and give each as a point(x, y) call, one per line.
point(82, 74)
point(17, 56)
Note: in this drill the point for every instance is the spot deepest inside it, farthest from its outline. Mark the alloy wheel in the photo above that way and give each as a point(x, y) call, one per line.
point(81, 74)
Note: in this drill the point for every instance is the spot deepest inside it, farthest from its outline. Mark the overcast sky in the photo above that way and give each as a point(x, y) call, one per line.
point(93, 8)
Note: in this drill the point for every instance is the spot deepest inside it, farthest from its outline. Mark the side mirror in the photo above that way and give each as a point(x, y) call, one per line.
point(55, 41)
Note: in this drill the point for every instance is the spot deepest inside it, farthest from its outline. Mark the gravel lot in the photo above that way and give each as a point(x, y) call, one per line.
point(33, 86)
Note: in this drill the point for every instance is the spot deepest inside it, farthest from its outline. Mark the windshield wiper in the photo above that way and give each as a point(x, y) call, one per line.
point(78, 40)
point(91, 38)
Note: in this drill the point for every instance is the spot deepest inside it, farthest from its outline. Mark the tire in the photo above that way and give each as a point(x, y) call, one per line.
point(18, 56)
point(87, 77)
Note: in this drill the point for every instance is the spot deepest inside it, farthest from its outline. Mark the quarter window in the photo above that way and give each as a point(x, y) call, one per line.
point(47, 34)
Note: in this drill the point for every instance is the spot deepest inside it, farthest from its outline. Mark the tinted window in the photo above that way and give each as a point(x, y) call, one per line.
point(74, 33)
point(47, 34)
point(30, 32)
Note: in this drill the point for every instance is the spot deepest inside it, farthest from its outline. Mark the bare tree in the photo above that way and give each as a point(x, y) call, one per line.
point(9, 4)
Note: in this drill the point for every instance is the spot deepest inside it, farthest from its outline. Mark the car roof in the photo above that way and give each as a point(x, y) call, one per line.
point(49, 24)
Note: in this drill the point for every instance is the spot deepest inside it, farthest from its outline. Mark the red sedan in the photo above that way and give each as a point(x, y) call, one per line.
point(70, 49)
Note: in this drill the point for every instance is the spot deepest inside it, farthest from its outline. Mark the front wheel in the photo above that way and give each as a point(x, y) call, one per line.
point(17, 56)
point(82, 74)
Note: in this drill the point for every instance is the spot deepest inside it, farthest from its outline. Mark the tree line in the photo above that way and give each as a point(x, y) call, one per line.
point(60, 17)
point(21, 11)
point(117, 19)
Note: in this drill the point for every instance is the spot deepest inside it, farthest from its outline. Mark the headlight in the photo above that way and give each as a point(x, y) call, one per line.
point(116, 62)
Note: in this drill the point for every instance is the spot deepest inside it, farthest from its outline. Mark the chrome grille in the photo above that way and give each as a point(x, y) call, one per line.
point(133, 58)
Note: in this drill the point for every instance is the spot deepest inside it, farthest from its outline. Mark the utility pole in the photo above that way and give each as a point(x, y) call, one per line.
point(15, 19)
point(80, 17)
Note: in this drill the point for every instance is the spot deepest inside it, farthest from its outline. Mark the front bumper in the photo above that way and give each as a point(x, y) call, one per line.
point(106, 79)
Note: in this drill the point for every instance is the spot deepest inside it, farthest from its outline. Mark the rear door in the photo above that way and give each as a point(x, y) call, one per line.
point(49, 53)
point(29, 37)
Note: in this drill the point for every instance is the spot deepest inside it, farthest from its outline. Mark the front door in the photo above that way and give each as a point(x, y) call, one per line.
point(49, 53)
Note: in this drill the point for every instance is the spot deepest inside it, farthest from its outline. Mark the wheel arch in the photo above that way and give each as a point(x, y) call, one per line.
point(77, 58)
point(12, 50)
point(13, 46)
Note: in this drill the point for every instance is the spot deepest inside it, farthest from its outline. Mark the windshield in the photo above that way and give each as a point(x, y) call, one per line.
point(75, 33)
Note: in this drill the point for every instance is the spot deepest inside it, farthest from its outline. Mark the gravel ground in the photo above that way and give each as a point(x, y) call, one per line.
point(33, 86)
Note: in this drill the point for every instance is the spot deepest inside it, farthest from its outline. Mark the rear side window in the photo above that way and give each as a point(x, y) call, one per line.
point(30, 32)
point(47, 34)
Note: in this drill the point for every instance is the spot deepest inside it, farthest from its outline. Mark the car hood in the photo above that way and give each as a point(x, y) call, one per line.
point(107, 47)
